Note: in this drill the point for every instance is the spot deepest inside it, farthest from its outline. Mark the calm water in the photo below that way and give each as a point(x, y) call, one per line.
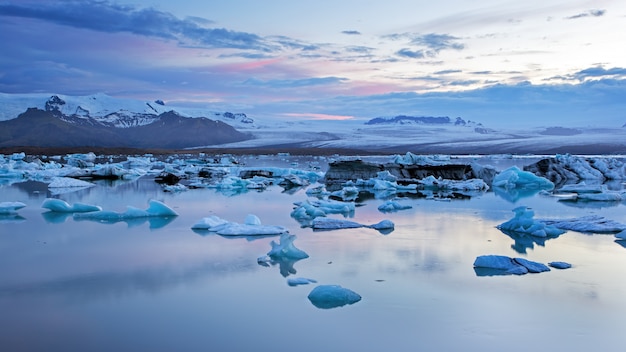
point(68, 285)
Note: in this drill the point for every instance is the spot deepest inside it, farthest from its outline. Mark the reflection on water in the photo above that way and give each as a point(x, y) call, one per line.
point(156, 284)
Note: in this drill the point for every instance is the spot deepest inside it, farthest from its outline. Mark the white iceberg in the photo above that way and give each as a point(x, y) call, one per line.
point(587, 224)
point(324, 223)
point(10, 208)
point(155, 209)
point(251, 227)
point(61, 206)
point(513, 177)
point(474, 184)
point(523, 222)
point(392, 206)
point(67, 182)
point(332, 296)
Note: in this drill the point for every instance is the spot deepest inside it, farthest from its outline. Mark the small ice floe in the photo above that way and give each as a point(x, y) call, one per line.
point(621, 235)
point(175, 188)
point(286, 249)
point(61, 206)
point(384, 226)
point(347, 193)
point(491, 265)
point(560, 265)
point(332, 296)
point(155, 209)
point(68, 182)
point(300, 281)
point(392, 206)
point(305, 212)
point(513, 177)
point(586, 224)
point(251, 227)
point(475, 184)
point(591, 193)
point(10, 208)
point(523, 222)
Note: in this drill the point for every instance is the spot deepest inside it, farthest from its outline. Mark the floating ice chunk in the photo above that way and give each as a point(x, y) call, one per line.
point(383, 225)
point(499, 262)
point(489, 265)
point(286, 249)
point(607, 196)
point(474, 184)
point(413, 159)
point(347, 193)
point(251, 227)
point(155, 209)
point(67, 182)
point(332, 296)
point(7, 208)
point(560, 265)
point(306, 211)
point(583, 188)
point(252, 219)
point(337, 224)
point(211, 223)
point(523, 222)
point(61, 206)
point(513, 177)
point(391, 206)
point(587, 224)
point(533, 267)
point(621, 235)
point(299, 281)
point(317, 191)
point(334, 224)
point(175, 188)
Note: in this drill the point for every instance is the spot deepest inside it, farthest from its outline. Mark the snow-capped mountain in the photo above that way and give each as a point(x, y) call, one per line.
point(101, 109)
point(431, 121)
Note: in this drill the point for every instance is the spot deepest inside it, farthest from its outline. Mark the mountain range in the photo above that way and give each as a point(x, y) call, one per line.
point(60, 124)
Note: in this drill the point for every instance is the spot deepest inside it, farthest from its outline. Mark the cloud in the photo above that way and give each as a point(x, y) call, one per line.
point(445, 72)
point(412, 54)
point(425, 45)
point(351, 32)
point(104, 16)
point(595, 72)
point(294, 83)
point(590, 13)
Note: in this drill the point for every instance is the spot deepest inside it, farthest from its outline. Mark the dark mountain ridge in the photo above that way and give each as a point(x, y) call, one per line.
point(40, 128)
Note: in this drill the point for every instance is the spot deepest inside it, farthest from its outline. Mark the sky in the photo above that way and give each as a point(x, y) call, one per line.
point(502, 63)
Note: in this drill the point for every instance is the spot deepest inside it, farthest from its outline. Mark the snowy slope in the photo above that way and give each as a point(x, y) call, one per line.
point(110, 111)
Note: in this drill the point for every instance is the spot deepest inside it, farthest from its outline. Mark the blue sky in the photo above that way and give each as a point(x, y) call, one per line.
point(503, 63)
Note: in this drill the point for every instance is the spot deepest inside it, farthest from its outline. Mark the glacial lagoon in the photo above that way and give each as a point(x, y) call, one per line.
point(155, 284)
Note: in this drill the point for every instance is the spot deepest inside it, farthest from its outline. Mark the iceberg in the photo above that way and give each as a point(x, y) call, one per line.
point(300, 281)
point(286, 249)
point(10, 208)
point(392, 206)
point(384, 226)
point(332, 296)
point(560, 265)
point(475, 184)
point(251, 227)
point(586, 224)
point(490, 265)
point(155, 209)
point(566, 167)
point(67, 182)
point(513, 177)
point(61, 206)
point(524, 223)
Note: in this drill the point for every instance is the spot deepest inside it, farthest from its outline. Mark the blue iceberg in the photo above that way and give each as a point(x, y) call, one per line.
point(332, 296)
